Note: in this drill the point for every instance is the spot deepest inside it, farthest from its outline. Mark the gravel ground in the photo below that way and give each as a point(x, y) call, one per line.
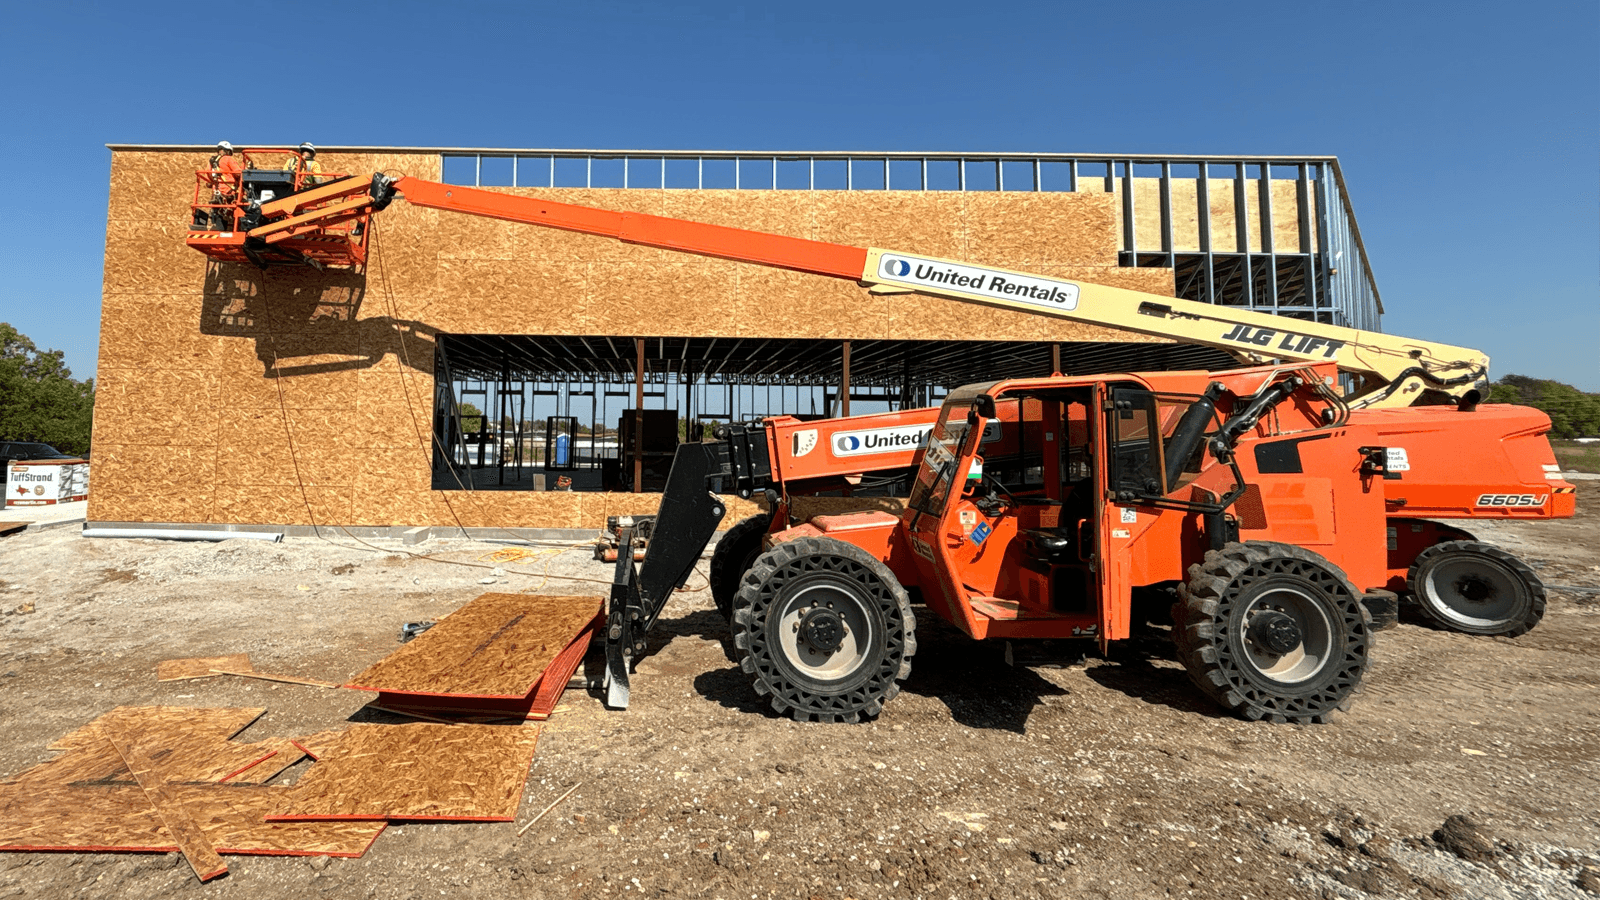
point(1469, 768)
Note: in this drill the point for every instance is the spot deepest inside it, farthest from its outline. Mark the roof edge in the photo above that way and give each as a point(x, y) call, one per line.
point(1221, 158)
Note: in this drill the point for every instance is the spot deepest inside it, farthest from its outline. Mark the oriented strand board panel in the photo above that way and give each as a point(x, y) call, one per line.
point(536, 706)
point(234, 819)
point(120, 818)
point(317, 745)
point(218, 723)
point(201, 666)
point(199, 360)
point(202, 759)
point(196, 848)
point(447, 772)
point(498, 645)
point(62, 817)
point(191, 745)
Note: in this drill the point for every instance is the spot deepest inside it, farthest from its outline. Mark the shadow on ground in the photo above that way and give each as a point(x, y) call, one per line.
point(1145, 668)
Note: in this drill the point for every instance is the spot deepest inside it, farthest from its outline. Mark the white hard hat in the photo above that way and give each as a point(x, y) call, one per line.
point(308, 148)
point(224, 145)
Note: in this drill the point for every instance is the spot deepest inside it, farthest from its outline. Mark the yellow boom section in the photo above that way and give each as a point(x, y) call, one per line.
point(1393, 369)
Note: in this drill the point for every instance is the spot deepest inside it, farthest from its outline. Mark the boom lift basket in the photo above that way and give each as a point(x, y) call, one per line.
point(227, 207)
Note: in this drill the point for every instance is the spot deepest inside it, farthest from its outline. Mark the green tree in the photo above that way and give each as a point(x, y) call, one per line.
point(1572, 412)
point(39, 398)
point(471, 418)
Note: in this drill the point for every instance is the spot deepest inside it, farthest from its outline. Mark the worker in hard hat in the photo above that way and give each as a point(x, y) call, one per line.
point(304, 164)
point(225, 173)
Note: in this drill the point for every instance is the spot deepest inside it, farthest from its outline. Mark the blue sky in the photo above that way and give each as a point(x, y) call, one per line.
point(1467, 131)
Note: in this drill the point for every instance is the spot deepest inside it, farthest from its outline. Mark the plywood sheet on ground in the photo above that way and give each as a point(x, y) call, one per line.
point(284, 753)
point(233, 818)
point(498, 645)
point(203, 760)
point(317, 745)
point(458, 772)
point(186, 833)
point(201, 666)
point(190, 744)
point(536, 706)
point(219, 722)
point(120, 818)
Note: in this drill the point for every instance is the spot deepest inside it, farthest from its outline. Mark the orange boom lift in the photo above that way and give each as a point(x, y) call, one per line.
point(1283, 513)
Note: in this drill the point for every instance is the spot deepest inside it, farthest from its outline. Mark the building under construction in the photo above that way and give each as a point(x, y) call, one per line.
point(489, 375)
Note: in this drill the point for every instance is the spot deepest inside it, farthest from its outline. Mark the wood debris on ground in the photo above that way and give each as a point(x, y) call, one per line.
point(202, 667)
point(162, 779)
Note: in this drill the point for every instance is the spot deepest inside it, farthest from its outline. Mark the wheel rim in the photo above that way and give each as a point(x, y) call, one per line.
point(1472, 591)
point(823, 609)
point(1274, 613)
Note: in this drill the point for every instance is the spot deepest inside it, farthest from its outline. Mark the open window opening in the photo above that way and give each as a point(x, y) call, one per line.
point(606, 413)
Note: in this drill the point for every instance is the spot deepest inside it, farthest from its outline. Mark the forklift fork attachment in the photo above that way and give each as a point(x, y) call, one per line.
point(679, 533)
point(621, 614)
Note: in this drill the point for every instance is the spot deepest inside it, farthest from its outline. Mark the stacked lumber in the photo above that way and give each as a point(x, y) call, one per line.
point(501, 656)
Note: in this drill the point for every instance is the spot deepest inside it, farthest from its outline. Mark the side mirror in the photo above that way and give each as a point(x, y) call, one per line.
point(984, 406)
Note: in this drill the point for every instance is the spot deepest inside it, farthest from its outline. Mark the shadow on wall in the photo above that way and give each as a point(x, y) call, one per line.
point(307, 321)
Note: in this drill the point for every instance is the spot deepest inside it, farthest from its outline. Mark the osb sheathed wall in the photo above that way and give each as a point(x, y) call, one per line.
point(1224, 219)
point(228, 395)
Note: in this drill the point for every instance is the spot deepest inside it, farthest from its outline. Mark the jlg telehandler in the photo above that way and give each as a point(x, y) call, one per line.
point(1283, 509)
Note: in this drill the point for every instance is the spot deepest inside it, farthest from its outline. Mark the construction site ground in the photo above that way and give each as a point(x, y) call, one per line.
point(1105, 778)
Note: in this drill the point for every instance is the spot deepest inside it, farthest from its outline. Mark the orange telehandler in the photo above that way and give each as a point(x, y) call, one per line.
point(1283, 511)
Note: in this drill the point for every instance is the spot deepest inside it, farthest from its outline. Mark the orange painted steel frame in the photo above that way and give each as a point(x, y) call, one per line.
point(739, 244)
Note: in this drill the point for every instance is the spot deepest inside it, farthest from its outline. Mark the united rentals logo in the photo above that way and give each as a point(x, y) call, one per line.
point(977, 281)
point(899, 439)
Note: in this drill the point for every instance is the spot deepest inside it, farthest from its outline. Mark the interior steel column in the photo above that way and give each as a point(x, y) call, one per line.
point(1055, 359)
point(638, 415)
point(844, 383)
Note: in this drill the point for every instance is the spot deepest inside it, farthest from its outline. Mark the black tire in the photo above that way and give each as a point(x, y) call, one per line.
point(1475, 588)
point(800, 596)
point(734, 554)
point(1383, 607)
point(1272, 631)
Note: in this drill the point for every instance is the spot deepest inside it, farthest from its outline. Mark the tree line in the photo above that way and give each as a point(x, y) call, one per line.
point(39, 398)
point(1573, 413)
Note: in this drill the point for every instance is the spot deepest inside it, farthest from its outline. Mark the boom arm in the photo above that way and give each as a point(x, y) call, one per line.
point(1393, 370)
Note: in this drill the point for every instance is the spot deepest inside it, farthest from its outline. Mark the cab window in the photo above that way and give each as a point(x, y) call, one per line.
point(1142, 426)
point(939, 459)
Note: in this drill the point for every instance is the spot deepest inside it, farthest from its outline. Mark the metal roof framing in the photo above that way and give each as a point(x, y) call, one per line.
point(770, 361)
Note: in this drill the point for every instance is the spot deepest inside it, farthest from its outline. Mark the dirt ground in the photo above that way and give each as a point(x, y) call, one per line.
point(1105, 778)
